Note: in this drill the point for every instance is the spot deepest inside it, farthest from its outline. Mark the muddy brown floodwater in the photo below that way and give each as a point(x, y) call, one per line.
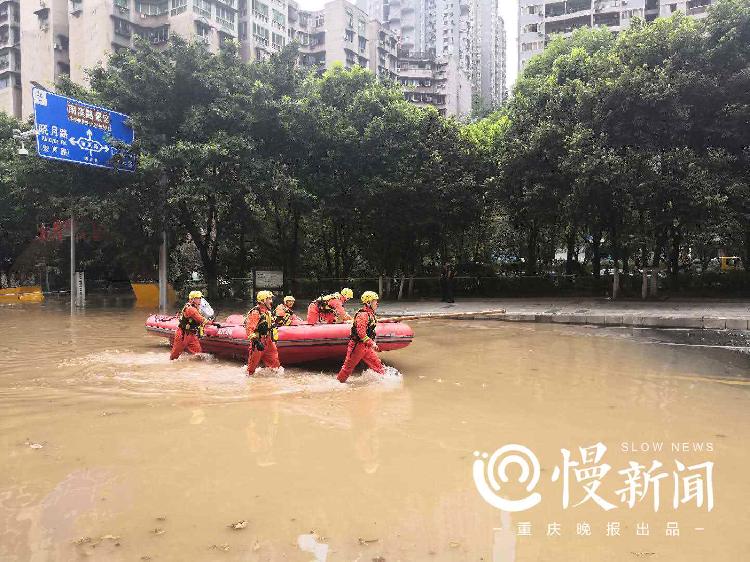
point(110, 452)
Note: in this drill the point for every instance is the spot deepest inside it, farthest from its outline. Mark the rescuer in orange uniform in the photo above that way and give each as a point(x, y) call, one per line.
point(285, 315)
point(329, 309)
point(261, 332)
point(362, 346)
point(190, 327)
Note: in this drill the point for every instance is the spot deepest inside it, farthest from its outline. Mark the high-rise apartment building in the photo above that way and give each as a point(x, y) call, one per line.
point(467, 34)
point(488, 53)
point(10, 57)
point(538, 20)
point(45, 39)
point(337, 33)
point(449, 51)
point(265, 27)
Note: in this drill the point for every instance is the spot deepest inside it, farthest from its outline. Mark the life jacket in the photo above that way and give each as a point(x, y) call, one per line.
point(285, 320)
point(323, 306)
point(187, 324)
point(265, 325)
point(372, 322)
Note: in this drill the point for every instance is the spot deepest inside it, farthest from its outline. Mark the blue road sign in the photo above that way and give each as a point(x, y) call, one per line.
point(78, 132)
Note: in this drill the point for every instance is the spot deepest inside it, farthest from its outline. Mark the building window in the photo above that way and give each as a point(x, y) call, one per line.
point(531, 28)
point(260, 9)
point(151, 8)
point(224, 15)
point(178, 6)
point(533, 46)
point(260, 34)
point(320, 20)
point(278, 18)
point(122, 27)
point(531, 10)
point(202, 30)
point(243, 30)
point(202, 7)
point(349, 35)
point(277, 41)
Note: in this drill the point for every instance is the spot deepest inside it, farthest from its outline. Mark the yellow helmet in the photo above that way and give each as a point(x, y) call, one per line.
point(263, 295)
point(195, 295)
point(289, 298)
point(347, 292)
point(369, 296)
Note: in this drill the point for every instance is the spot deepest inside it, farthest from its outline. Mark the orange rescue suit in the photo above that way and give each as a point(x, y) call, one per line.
point(361, 343)
point(186, 336)
point(259, 327)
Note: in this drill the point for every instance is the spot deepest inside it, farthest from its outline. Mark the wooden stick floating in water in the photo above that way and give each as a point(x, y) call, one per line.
point(444, 315)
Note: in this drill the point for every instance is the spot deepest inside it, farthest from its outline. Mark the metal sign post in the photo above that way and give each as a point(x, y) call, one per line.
point(72, 264)
point(163, 274)
point(74, 131)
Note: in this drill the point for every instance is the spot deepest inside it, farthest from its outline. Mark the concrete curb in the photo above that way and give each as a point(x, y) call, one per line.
point(636, 321)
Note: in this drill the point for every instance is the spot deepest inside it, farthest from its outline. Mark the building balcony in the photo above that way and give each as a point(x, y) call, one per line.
point(226, 24)
point(260, 17)
point(201, 12)
point(121, 11)
point(415, 74)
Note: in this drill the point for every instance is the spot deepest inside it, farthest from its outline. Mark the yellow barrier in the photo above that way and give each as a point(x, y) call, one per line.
point(31, 294)
point(147, 294)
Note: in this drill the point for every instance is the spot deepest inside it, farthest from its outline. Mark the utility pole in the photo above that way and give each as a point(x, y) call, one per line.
point(163, 181)
point(72, 262)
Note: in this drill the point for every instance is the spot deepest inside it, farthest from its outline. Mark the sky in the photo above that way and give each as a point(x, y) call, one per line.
point(509, 12)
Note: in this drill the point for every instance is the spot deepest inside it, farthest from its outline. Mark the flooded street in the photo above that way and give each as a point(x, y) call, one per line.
point(112, 452)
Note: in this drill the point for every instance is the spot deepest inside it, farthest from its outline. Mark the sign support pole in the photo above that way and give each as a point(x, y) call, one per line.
point(72, 263)
point(163, 273)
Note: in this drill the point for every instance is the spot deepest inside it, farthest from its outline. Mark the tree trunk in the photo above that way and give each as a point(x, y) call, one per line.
point(531, 253)
point(212, 278)
point(570, 241)
point(295, 253)
point(401, 287)
point(660, 241)
point(596, 259)
point(674, 258)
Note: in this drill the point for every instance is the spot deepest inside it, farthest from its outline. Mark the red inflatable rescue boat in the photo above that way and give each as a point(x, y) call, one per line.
point(297, 344)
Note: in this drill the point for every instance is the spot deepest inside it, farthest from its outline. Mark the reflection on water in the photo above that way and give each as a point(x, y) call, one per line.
point(143, 458)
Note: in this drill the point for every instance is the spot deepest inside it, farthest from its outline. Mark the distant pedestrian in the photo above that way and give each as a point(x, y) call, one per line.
point(447, 280)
